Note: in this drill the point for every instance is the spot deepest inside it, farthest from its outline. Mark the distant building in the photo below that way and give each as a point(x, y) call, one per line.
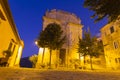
point(111, 41)
point(72, 28)
point(10, 43)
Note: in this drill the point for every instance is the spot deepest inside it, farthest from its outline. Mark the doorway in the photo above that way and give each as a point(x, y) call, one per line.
point(62, 56)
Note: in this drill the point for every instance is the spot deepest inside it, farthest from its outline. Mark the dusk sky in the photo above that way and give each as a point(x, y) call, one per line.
point(27, 15)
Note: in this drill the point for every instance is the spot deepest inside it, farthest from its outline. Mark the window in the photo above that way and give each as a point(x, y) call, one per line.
point(2, 16)
point(111, 29)
point(115, 45)
point(14, 48)
point(10, 46)
point(62, 55)
point(119, 60)
point(116, 60)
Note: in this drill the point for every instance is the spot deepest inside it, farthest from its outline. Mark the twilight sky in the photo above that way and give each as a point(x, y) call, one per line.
point(27, 15)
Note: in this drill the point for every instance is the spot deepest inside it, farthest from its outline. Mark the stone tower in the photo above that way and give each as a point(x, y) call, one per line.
point(72, 28)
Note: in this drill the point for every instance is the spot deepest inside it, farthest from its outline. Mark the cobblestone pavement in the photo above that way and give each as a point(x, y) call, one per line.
point(36, 74)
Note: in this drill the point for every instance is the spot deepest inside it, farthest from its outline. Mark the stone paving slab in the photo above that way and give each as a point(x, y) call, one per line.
point(36, 74)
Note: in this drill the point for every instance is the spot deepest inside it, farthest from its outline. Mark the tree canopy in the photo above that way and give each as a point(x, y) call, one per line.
point(104, 8)
point(41, 40)
point(51, 37)
point(54, 36)
point(89, 46)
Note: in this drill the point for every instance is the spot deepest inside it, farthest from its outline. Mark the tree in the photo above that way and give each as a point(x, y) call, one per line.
point(7, 53)
point(41, 42)
point(104, 8)
point(88, 46)
point(53, 37)
point(33, 59)
point(82, 49)
point(5, 60)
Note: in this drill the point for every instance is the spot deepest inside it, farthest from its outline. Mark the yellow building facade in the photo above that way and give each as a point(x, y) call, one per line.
point(111, 40)
point(72, 28)
point(10, 43)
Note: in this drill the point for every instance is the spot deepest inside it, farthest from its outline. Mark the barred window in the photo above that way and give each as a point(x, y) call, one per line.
point(115, 45)
point(111, 29)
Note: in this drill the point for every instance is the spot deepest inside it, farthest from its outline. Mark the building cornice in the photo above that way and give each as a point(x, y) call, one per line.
point(50, 19)
point(74, 24)
point(63, 12)
point(107, 25)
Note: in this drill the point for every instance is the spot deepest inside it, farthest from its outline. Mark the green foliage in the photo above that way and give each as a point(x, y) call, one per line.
point(75, 63)
point(33, 59)
point(41, 40)
point(104, 8)
point(89, 46)
point(82, 47)
point(54, 35)
point(51, 37)
point(4, 59)
point(7, 53)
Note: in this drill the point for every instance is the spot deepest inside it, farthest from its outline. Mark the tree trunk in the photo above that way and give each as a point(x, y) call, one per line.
point(43, 55)
point(91, 62)
point(79, 56)
point(57, 55)
point(84, 67)
point(84, 60)
point(50, 57)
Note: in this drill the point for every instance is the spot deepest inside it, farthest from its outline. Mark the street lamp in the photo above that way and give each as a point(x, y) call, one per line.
point(86, 47)
point(36, 42)
point(40, 52)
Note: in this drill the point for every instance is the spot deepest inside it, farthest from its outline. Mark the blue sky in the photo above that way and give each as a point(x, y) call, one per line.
point(27, 15)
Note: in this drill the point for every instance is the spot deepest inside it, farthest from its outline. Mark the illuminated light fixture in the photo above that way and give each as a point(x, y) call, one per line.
point(36, 42)
point(81, 57)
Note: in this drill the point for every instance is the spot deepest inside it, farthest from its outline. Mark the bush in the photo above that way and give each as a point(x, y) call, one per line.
point(33, 59)
point(75, 63)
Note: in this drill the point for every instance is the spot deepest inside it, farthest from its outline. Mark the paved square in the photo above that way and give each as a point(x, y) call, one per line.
point(36, 74)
